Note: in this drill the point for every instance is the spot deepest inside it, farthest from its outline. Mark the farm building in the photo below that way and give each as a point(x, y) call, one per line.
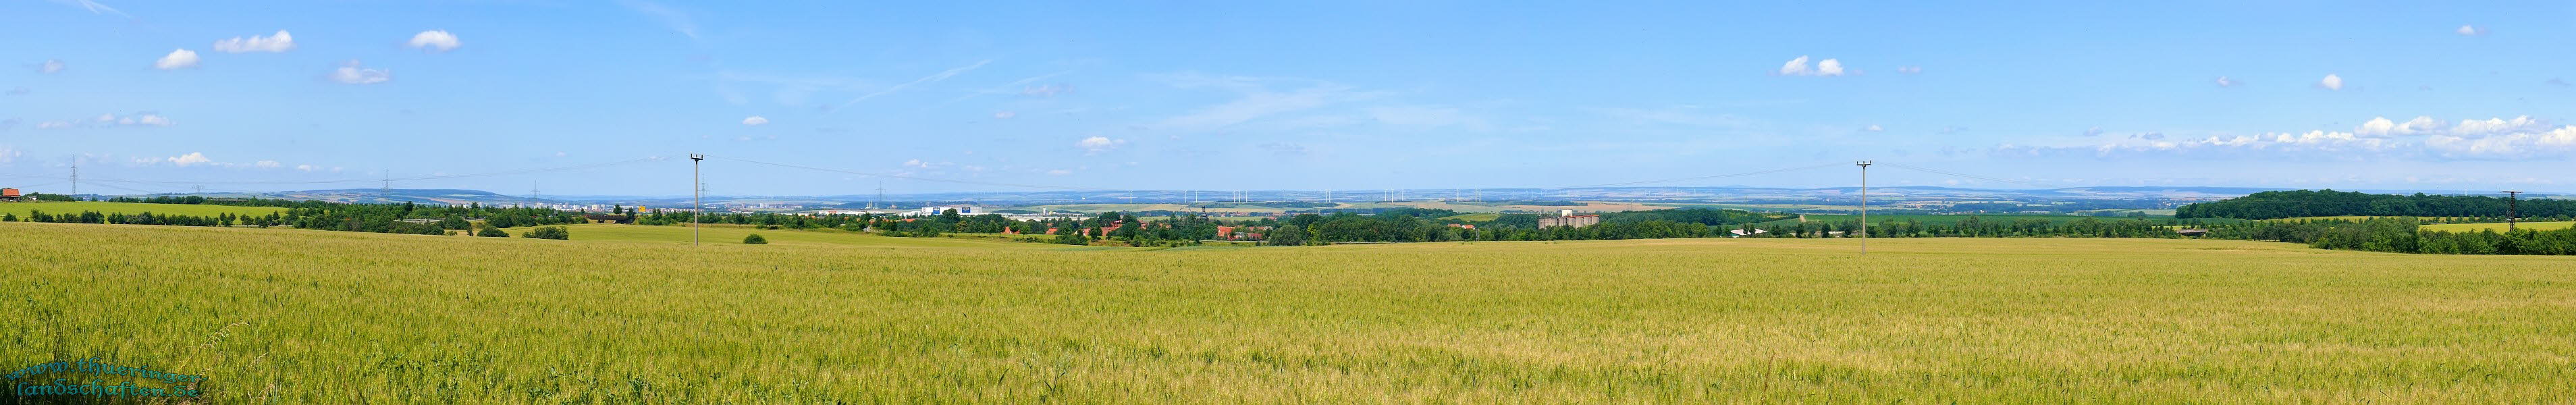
point(11, 194)
point(2192, 233)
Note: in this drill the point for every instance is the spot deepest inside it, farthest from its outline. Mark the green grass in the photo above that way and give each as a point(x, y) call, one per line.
point(627, 315)
point(2498, 227)
point(75, 207)
point(1936, 219)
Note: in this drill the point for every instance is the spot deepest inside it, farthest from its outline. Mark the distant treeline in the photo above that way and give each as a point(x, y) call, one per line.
point(2327, 203)
point(380, 218)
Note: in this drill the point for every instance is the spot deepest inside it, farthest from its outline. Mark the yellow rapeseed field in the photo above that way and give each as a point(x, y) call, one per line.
point(296, 317)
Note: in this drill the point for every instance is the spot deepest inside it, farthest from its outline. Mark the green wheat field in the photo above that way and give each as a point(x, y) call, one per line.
point(632, 314)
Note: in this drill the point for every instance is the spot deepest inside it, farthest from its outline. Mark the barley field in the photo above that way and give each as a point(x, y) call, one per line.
point(2499, 226)
point(620, 314)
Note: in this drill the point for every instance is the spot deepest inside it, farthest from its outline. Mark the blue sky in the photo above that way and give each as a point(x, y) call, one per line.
point(1309, 95)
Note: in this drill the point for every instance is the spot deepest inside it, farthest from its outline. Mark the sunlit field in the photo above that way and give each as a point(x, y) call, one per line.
point(627, 314)
point(2498, 226)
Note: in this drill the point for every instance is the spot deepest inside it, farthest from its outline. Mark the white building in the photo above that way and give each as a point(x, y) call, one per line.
point(935, 210)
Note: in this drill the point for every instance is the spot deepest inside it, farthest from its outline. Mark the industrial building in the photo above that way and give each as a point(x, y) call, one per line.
point(1577, 221)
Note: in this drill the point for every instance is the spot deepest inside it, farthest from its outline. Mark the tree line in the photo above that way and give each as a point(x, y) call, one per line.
point(2327, 203)
point(406, 218)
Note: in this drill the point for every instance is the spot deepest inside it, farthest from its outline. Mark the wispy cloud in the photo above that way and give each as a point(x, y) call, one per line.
point(351, 73)
point(147, 119)
point(279, 42)
point(1257, 98)
point(670, 18)
point(1685, 115)
point(1098, 144)
point(933, 78)
point(94, 7)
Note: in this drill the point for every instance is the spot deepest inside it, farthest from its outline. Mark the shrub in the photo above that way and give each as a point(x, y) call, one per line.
point(754, 239)
point(491, 232)
point(550, 232)
point(1073, 239)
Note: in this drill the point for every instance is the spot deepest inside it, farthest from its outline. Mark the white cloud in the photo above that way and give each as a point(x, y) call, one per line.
point(2223, 81)
point(1004, 115)
point(915, 163)
point(1798, 67)
point(177, 59)
point(2331, 82)
point(2493, 126)
point(1795, 67)
point(190, 159)
point(350, 73)
point(1909, 69)
point(2471, 30)
point(2382, 127)
point(1099, 144)
point(434, 41)
point(55, 124)
point(266, 164)
point(1059, 172)
point(152, 119)
point(280, 42)
point(755, 120)
point(1873, 128)
point(50, 66)
point(2558, 142)
point(2422, 137)
point(306, 168)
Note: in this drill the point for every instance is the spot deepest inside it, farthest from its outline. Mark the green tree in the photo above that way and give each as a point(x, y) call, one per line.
point(754, 239)
point(550, 232)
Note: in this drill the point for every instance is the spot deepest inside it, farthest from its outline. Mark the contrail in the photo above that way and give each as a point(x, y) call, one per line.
point(932, 78)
